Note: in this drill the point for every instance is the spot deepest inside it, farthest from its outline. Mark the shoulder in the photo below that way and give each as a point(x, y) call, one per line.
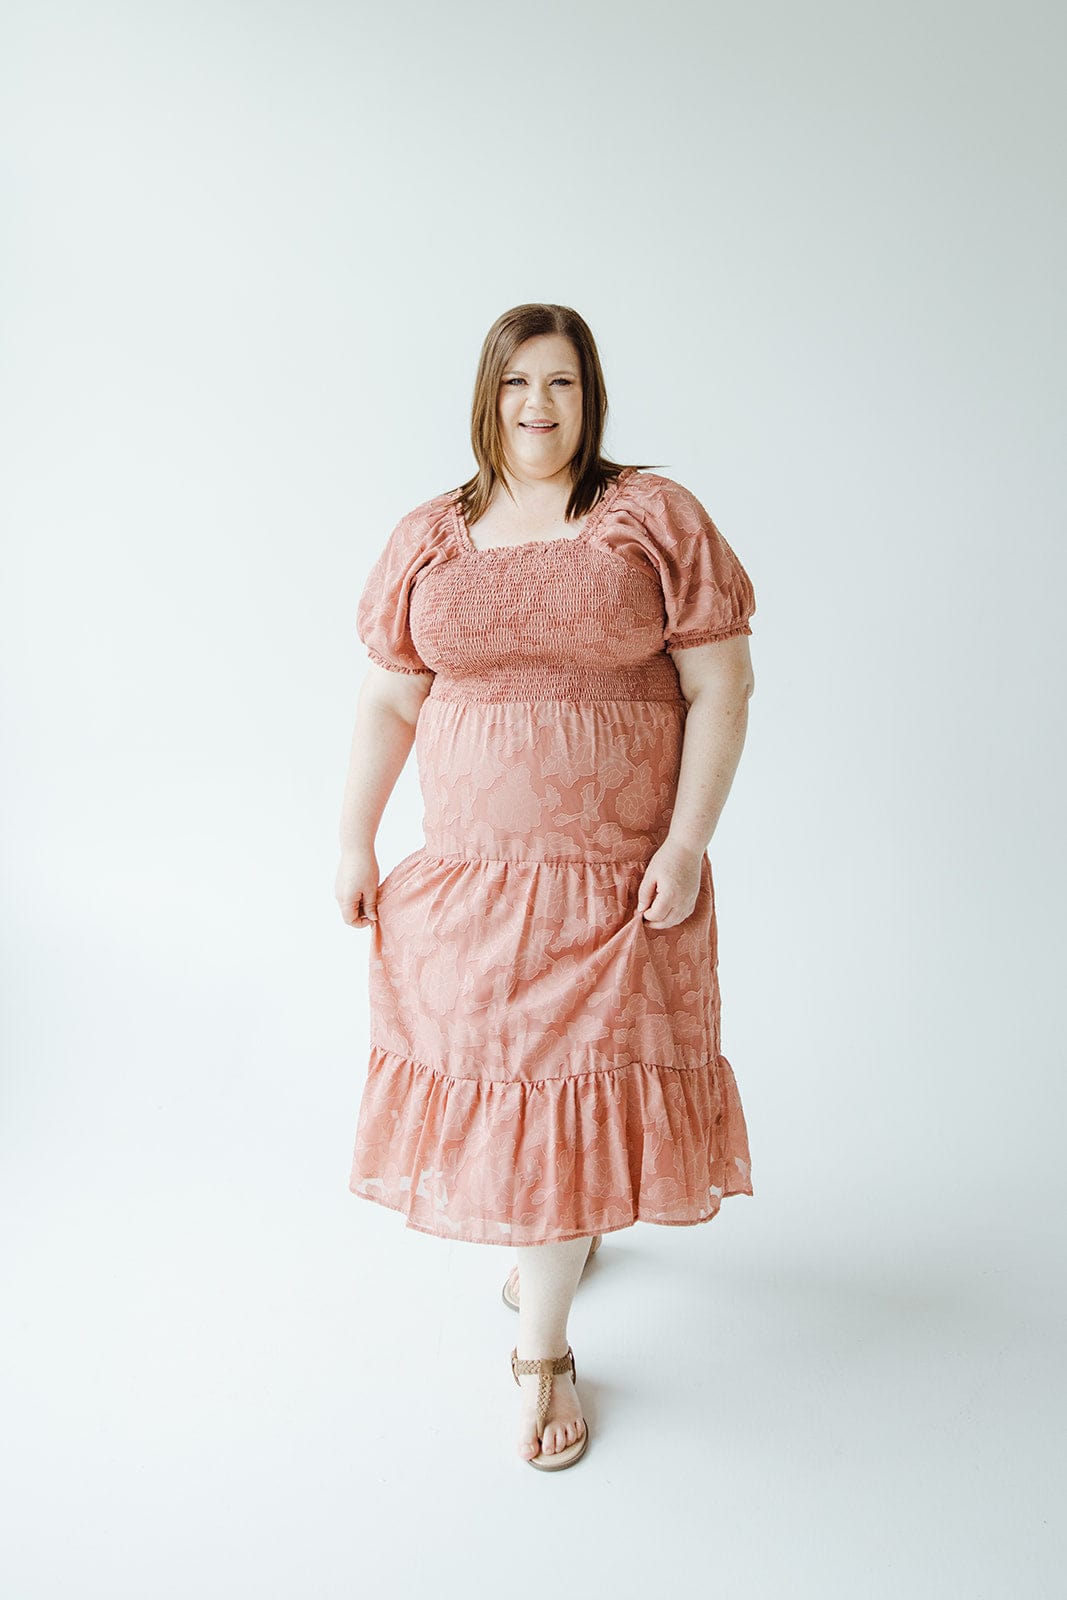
point(669, 522)
point(657, 492)
point(424, 533)
point(663, 505)
point(430, 518)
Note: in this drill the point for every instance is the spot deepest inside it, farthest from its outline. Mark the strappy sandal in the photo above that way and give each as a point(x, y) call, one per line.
point(511, 1298)
point(546, 1368)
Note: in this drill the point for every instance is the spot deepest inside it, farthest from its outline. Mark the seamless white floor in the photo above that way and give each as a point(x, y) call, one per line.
point(226, 1376)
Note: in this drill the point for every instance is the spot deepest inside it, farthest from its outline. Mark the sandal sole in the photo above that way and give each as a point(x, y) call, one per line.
point(557, 1459)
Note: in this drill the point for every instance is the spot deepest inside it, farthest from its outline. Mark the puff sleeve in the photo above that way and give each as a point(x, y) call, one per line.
point(383, 616)
point(707, 593)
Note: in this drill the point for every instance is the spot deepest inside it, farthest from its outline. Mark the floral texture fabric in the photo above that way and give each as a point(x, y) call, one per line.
point(543, 1064)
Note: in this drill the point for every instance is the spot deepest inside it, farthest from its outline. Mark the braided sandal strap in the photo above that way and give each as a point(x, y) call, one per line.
point(546, 1367)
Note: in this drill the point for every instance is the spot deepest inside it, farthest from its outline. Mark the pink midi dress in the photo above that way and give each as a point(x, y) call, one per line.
point(543, 1064)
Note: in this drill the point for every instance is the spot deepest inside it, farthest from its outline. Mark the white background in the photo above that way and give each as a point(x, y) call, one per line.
point(250, 254)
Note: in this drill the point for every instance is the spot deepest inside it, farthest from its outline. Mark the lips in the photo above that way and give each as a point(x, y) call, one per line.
point(539, 427)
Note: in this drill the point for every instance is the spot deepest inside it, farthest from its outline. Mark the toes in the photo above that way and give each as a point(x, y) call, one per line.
point(556, 1437)
point(529, 1445)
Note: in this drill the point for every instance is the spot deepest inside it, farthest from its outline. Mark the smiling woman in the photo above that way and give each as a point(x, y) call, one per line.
point(545, 1054)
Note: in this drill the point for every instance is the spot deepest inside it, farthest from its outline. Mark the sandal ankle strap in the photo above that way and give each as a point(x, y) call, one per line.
point(543, 1364)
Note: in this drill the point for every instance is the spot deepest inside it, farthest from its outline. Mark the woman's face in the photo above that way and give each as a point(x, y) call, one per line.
point(541, 384)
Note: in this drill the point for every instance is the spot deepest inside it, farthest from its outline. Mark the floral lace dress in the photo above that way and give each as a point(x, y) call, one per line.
point(543, 1064)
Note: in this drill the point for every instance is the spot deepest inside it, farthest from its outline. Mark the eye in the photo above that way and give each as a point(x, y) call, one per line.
point(567, 381)
point(514, 380)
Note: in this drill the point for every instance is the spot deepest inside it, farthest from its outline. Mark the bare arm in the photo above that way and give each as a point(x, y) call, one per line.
point(717, 681)
point(386, 715)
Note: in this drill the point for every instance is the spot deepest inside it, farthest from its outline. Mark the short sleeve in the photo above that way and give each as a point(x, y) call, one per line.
point(707, 593)
point(383, 616)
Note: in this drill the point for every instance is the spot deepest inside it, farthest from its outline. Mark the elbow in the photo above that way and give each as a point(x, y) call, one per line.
point(728, 688)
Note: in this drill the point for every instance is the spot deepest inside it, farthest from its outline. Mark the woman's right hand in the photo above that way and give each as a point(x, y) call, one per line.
point(356, 888)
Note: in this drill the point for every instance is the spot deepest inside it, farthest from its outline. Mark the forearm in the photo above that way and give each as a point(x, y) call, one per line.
point(715, 727)
point(381, 742)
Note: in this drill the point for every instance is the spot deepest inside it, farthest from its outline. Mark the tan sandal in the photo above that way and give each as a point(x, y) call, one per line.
point(546, 1368)
point(511, 1294)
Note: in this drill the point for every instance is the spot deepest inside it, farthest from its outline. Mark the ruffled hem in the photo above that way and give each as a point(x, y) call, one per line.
point(685, 641)
point(523, 1162)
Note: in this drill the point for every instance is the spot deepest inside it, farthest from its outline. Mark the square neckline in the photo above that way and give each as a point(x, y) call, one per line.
point(592, 518)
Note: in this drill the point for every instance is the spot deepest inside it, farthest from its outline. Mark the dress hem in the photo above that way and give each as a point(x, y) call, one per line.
point(535, 1161)
point(560, 1238)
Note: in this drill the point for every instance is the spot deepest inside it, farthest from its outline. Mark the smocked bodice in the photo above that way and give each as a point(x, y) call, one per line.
point(587, 617)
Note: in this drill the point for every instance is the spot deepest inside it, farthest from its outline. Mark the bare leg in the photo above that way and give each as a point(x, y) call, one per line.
point(549, 1275)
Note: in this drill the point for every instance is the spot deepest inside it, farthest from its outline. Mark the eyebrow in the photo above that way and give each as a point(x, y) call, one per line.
point(559, 372)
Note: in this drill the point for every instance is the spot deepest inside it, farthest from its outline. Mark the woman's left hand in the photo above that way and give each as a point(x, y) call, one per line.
point(669, 889)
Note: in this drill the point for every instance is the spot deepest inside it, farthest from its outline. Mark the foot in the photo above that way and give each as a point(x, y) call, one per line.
point(565, 1424)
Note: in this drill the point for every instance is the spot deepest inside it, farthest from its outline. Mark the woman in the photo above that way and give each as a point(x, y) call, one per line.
point(563, 640)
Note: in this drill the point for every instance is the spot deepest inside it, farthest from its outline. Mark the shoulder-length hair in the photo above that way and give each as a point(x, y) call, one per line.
point(591, 471)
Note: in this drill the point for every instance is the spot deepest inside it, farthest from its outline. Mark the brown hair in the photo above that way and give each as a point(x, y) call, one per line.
point(591, 471)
